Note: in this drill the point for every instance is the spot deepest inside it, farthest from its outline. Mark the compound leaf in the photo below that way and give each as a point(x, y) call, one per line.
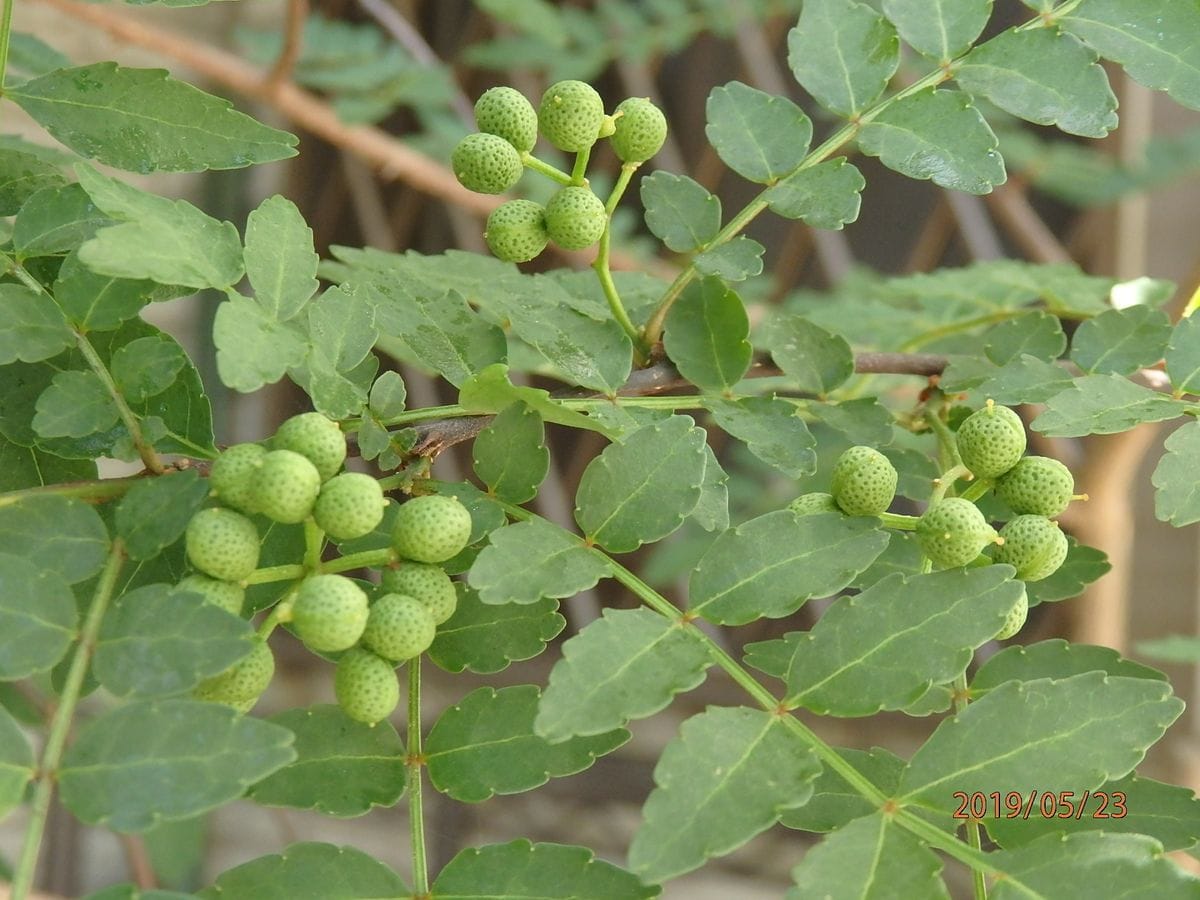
point(17, 764)
point(734, 260)
point(56, 534)
point(1055, 659)
point(818, 360)
point(510, 455)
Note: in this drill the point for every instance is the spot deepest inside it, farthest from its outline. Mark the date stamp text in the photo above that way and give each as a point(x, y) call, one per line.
point(1046, 804)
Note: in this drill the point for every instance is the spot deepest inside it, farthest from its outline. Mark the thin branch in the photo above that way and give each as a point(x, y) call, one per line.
point(293, 44)
point(1012, 209)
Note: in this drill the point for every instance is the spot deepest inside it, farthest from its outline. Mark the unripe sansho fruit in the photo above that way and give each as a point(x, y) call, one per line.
point(398, 628)
point(953, 532)
point(287, 487)
point(316, 438)
point(570, 115)
point(233, 474)
point(811, 504)
point(864, 482)
point(366, 686)
point(243, 683)
point(640, 132)
point(991, 440)
point(222, 543)
point(1016, 618)
point(428, 584)
point(329, 612)
point(486, 164)
point(1037, 485)
point(1034, 546)
point(431, 529)
point(575, 218)
point(516, 231)
point(225, 594)
point(504, 112)
point(349, 506)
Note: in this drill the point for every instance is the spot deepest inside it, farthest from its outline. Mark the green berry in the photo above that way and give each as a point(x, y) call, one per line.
point(316, 438)
point(287, 487)
point(225, 594)
point(864, 482)
point(991, 440)
point(243, 683)
point(329, 613)
point(428, 584)
point(953, 532)
point(486, 164)
point(1016, 618)
point(575, 218)
point(431, 529)
point(1033, 545)
point(366, 686)
point(504, 111)
point(349, 506)
point(233, 474)
point(222, 543)
point(811, 504)
point(398, 628)
point(1037, 485)
point(516, 230)
point(570, 115)
point(640, 132)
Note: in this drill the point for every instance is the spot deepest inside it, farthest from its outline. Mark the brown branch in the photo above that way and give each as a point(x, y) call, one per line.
point(293, 44)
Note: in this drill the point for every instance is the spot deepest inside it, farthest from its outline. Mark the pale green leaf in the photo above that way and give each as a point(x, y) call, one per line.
point(1176, 479)
point(899, 865)
point(490, 391)
point(939, 136)
point(155, 512)
point(280, 260)
point(680, 211)
point(37, 617)
point(142, 120)
point(817, 360)
point(341, 326)
point(712, 512)
point(253, 348)
point(485, 638)
point(628, 664)
point(55, 220)
point(21, 176)
point(527, 561)
point(1055, 659)
point(827, 195)
point(1037, 334)
point(760, 136)
point(76, 404)
point(510, 455)
point(56, 534)
point(728, 776)
point(1025, 380)
point(313, 870)
point(1177, 648)
point(342, 767)
point(32, 327)
point(706, 336)
point(1183, 356)
point(642, 489)
point(1104, 404)
point(95, 302)
point(388, 395)
point(834, 802)
point(155, 761)
point(17, 764)
point(146, 366)
point(1042, 76)
point(843, 53)
point(1121, 340)
point(939, 29)
point(734, 260)
point(771, 429)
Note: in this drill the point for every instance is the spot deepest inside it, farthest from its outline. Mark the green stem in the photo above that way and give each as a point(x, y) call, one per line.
point(544, 168)
point(946, 481)
point(5, 35)
point(961, 699)
point(977, 489)
point(365, 559)
point(266, 575)
point(604, 274)
point(415, 763)
point(107, 489)
point(281, 613)
point(959, 327)
point(945, 437)
point(579, 172)
point(314, 544)
point(899, 522)
point(60, 725)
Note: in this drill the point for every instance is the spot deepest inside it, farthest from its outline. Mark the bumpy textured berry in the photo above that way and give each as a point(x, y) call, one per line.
point(575, 218)
point(516, 230)
point(428, 584)
point(233, 475)
point(329, 613)
point(864, 482)
point(504, 112)
point(486, 164)
point(366, 686)
point(349, 506)
point(222, 543)
point(1034, 546)
point(570, 115)
point(811, 504)
point(287, 487)
point(640, 132)
point(316, 438)
point(1037, 485)
point(991, 440)
point(242, 684)
point(431, 529)
point(225, 594)
point(1016, 618)
point(398, 628)
point(953, 532)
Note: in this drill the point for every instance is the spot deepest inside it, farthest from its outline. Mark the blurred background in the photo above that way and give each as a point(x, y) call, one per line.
point(379, 91)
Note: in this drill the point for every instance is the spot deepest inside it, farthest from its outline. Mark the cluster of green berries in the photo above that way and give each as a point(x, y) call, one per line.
point(572, 118)
point(297, 477)
point(953, 532)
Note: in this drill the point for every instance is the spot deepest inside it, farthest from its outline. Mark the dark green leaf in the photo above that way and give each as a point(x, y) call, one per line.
point(1037, 334)
point(280, 261)
point(712, 512)
point(939, 136)
point(843, 53)
point(939, 29)
point(527, 561)
point(772, 430)
point(1083, 565)
point(342, 767)
point(313, 870)
point(861, 421)
point(76, 404)
point(1183, 356)
point(728, 776)
point(827, 195)
point(1121, 340)
point(760, 136)
point(1103, 404)
point(26, 467)
point(680, 211)
point(95, 302)
point(37, 617)
point(734, 260)
point(1025, 380)
point(56, 534)
point(510, 455)
point(21, 176)
point(834, 802)
point(146, 366)
point(154, 761)
point(817, 360)
point(157, 510)
point(491, 392)
point(17, 764)
point(141, 120)
point(54, 220)
point(32, 328)
point(485, 638)
point(706, 336)
point(1055, 659)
